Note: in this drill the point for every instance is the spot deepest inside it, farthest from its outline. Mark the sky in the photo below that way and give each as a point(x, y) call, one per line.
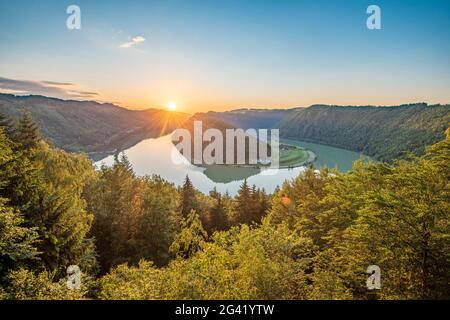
point(220, 55)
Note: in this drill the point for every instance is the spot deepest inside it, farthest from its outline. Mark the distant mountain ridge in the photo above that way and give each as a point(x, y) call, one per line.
point(90, 126)
point(383, 132)
point(386, 133)
point(252, 118)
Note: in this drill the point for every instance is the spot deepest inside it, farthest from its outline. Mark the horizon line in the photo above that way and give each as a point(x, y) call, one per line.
point(231, 109)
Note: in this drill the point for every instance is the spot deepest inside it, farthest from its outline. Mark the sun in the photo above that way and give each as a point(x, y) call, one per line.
point(172, 106)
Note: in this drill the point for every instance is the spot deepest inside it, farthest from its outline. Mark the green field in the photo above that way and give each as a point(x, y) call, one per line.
point(292, 156)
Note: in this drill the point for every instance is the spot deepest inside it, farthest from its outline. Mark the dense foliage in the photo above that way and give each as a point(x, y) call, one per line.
point(386, 133)
point(90, 126)
point(144, 238)
point(252, 118)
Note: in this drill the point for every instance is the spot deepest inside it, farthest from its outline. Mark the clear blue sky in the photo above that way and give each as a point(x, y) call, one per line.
point(218, 55)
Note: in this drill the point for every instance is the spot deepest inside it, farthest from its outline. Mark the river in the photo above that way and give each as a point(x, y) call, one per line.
point(156, 156)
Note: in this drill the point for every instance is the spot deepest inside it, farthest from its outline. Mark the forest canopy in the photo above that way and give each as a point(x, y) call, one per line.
point(144, 238)
point(385, 133)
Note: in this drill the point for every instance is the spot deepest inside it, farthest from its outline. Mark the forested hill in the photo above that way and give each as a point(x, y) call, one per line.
point(252, 118)
point(209, 120)
point(385, 133)
point(135, 237)
point(88, 125)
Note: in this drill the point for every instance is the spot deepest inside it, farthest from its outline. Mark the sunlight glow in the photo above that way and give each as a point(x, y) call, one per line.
point(172, 106)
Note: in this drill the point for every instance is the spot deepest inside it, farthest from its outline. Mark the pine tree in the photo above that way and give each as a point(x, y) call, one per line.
point(45, 185)
point(116, 200)
point(218, 220)
point(192, 237)
point(126, 164)
point(59, 212)
point(244, 207)
point(214, 193)
point(7, 161)
point(26, 134)
point(17, 242)
point(262, 203)
point(188, 199)
point(159, 222)
point(7, 124)
point(19, 175)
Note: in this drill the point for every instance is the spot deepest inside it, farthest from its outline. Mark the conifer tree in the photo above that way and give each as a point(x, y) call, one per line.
point(188, 199)
point(7, 124)
point(191, 238)
point(26, 133)
point(116, 201)
point(19, 174)
point(218, 220)
point(244, 208)
point(17, 241)
point(262, 203)
point(159, 221)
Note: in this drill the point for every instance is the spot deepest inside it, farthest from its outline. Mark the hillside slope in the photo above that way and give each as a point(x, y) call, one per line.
point(90, 126)
point(212, 122)
point(252, 118)
point(385, 133)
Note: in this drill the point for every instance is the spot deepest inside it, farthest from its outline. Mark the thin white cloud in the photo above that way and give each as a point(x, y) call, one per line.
point(134, 41)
